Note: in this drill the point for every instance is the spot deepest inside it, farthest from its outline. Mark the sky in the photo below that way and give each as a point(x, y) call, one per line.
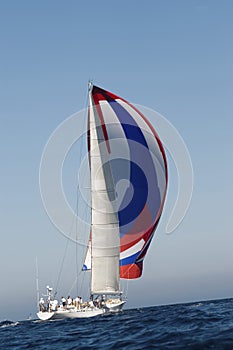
point(175, 57)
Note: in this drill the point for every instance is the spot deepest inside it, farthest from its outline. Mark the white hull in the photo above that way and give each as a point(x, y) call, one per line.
point(87, 312)
point(45, 316)
point(64, 314)
point(114, 307)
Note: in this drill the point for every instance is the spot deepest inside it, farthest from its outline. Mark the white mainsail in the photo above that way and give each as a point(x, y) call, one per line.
point(105, 238)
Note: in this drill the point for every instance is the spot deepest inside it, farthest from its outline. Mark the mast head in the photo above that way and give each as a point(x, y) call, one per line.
point(90, 85)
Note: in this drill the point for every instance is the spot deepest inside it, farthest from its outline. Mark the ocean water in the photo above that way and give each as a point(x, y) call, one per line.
point(200, 325)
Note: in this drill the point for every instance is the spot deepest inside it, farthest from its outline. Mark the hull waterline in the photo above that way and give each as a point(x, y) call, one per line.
point(65, 314)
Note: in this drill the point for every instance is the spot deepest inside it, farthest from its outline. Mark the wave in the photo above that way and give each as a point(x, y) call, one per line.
point(196, 305)
point(200, 325)
point(7, 323)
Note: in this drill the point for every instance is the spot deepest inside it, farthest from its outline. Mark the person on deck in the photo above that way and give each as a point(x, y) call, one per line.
point(41, 304)
point(77, 303)
point(69, 301)
point(54, 305)
point(63, 302)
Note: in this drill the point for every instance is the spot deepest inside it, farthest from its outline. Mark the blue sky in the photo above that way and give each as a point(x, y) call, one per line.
point(173, 56)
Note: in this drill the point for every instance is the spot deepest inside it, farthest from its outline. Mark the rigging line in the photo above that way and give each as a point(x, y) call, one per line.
point(63, 259)
point(37, 283)
point(78, 209)
point(75, 281)
point(62, 264)
point(76, 242)
point(83, 274)
point(67, 241)
point(78, 193)
point(81, 281)
point(126, 288)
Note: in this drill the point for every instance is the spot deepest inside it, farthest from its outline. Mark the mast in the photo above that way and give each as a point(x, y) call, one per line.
point(37, 284)
point(105, 239)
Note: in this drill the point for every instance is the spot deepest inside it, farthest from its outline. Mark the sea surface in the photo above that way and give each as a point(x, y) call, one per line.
point(200, 325)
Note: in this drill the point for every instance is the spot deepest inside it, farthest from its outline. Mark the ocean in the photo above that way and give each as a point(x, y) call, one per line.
point(200, 325)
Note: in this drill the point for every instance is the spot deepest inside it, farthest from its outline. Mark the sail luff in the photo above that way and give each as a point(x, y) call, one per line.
point(105, 240)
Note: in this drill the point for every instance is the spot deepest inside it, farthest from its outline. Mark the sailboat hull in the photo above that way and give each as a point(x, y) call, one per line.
point(65, 314)
point(114, 307)
point(108, 307)
point(45, 316)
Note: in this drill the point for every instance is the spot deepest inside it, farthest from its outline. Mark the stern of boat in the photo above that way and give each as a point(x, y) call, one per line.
point(114, 305)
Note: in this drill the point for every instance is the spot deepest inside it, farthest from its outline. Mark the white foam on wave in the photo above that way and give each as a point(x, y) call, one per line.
point(5, 324)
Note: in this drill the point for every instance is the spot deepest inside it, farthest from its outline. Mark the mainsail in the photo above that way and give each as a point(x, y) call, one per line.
point(128, 183)
point(105, 239)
